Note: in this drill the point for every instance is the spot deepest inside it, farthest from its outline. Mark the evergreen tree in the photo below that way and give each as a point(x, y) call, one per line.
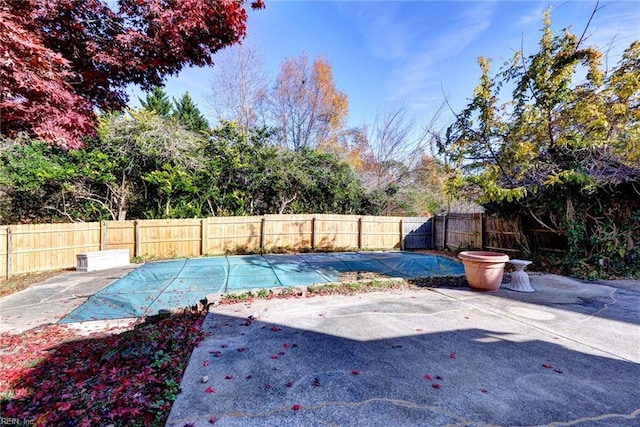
point(187, 112)
point(157, 100)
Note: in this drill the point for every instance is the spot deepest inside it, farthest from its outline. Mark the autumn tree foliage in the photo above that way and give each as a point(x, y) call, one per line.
point(562, 152)
point(60, 60)
point(308, 110)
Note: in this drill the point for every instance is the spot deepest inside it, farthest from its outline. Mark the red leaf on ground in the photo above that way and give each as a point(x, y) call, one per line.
point(64, 406)
point(276, 329)
point(435, 385)
point(547, 366)
point(217, 354)
point(355, 372)
point(285, 345)
point(268, 386)
point(428, 377)
point(249, 377)
point(205, 363)
point(274, 357)
point(453, 355)
point(296, 407)
point(484, 390)
point(228, 377)
point(210, 390)
point(289, 384)
point(241, 349)
point(282, 353)
point(213, 420)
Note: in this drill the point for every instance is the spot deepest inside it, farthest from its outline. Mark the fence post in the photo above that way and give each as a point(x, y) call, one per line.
point(103, 235)
point(136, 238)
point(445, 230)
point(204, 237)
point(313, 233)
point(402, 234)
point(483, 237)
point(360, 233)
point(262, 230)
point(9, 249)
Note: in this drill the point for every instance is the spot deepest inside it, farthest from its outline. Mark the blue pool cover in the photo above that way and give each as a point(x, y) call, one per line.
point(167, 284)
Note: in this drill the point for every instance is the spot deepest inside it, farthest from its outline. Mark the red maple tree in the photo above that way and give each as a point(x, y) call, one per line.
point(60, 60)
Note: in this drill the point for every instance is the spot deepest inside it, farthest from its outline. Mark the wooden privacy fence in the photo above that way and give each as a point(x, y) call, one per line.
point(513, 236)
point(42, 247)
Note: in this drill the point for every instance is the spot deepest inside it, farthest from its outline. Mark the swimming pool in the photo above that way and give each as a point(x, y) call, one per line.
point(179, 283)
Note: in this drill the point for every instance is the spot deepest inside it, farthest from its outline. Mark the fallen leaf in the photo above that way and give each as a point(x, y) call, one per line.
point(268, 386)
point(484, 390)
point(241, 349)
point(355, 372)
point(228, 377)
point(296, 407)
point(452, 355)
point(205, 363)
point(435, 385)
point(210, 390)
point(428, 377)
point(547, 366)
point(289, 384)
point(249, 377)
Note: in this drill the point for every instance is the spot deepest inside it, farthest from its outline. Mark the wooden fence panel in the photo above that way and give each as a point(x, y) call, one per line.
point(336, 232)
point(380, 232)
point(504, 235)
point(417, 232)
point(287, 231)
point(439, 231)
point(167, 238)
point(121, 235)
point(464, 231)
point(233, 234)
point(43, 247)
point(549, 240)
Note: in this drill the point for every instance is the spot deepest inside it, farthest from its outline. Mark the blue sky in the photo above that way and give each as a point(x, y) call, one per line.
point(384, 53)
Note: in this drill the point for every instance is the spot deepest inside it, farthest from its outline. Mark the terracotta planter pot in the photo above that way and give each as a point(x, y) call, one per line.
point(483, 269)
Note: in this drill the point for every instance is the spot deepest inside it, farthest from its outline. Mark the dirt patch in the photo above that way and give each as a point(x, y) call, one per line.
point(354, 276)
point(18, 283)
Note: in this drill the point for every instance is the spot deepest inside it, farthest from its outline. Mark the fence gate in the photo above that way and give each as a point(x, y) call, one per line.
point(416, 233)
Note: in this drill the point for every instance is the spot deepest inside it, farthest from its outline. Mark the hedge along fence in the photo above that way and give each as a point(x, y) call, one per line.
point(42, 247)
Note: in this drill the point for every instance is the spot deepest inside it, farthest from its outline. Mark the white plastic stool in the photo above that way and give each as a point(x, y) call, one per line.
point(520, 278)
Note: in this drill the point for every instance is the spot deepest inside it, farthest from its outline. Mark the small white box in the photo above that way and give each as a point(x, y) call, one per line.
point(102, 260)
